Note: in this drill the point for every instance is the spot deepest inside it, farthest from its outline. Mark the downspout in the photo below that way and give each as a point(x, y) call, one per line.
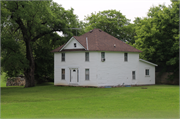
point(87, 43)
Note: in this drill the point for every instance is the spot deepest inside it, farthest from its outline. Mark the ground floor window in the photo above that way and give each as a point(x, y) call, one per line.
point(86, 74)
point(147, 72)
point(133, 75)
point(63, 74)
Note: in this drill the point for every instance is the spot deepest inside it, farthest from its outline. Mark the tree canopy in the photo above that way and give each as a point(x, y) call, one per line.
point(24, 25)
point(158, 36)
point(110, 21)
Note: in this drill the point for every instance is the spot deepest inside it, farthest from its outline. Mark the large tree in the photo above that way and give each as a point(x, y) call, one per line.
point(130, 31)
point(32, 20)
point(110, 21)
point(158, 37)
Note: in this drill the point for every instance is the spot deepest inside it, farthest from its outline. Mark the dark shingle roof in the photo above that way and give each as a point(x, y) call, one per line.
point(99, 40)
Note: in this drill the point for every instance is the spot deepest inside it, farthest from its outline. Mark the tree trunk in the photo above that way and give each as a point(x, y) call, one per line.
point(29, 72)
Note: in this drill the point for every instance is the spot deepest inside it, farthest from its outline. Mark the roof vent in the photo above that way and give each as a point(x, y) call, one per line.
point(91, 31)
point(100, 30)
point(114, 45)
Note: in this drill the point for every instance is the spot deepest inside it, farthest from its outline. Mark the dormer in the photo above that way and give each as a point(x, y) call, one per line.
point(72, 44)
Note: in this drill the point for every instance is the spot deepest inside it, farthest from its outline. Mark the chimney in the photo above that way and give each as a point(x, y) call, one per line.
point(87, 43)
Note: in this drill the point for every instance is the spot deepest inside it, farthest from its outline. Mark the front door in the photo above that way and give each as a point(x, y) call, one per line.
point(73, 75)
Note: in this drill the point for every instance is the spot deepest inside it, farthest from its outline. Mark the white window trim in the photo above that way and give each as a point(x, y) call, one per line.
point(64, 57)
point(85, 57)
point(145, 72)
point(132, 75)
point(124, 57)
point(103, 59)
point(85, 74)
point(64, 74)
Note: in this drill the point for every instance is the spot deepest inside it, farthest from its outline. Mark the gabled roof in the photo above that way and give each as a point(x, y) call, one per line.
point(99, 40)
point(148, 62)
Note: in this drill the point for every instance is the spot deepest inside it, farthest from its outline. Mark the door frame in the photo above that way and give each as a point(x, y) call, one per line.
point(77, 71)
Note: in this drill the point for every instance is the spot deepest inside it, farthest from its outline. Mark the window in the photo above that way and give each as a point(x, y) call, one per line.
point(74, 44)
point(133, 75)
point(86, 56)
point(147, 72)
point(63, 57)
point(102, 55)
point(126, 57)
point(63, 74)
point(86, 74)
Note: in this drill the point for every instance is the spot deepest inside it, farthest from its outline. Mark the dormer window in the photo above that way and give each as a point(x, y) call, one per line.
point(75, 45)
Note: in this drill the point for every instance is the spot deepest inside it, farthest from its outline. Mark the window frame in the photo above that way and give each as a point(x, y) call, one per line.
point(87, 59)
point(87, 75)
point(102, 55)
point(75, 45)
point(126, 57)
point(63, 78)
point(134, 75)
point(147, 72)
point(63, 59)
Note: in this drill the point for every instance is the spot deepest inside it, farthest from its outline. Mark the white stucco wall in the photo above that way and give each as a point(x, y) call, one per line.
point(114, 71)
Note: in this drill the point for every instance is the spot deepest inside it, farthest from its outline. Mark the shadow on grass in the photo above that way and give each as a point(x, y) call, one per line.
point(45, 84)
point(11, 87)
point(16, 87)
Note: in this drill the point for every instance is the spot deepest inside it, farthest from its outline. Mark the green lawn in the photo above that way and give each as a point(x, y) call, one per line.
point(49, 101)
point(3, 81)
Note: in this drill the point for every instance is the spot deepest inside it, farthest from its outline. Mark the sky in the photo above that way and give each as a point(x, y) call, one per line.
point(129, 8)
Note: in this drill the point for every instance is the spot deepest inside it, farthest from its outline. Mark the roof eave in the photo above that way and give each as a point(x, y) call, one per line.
point(148, 62)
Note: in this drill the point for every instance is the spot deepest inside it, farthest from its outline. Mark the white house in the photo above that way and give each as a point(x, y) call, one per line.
point(99, 59)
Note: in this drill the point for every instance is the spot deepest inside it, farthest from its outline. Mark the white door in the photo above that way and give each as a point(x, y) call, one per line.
point(74, 76)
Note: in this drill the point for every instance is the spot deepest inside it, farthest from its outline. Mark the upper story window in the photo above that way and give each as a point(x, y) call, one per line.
point(146, 72)
point(86, 56)
point(102, 56)
point(126, 57)
point(62, 57)
point(75, 45)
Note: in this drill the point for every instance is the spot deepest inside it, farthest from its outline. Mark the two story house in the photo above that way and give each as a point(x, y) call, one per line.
point(98, 59)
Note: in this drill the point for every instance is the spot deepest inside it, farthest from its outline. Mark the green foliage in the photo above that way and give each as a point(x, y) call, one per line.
point(28, 36)
point(158, 36)
point(49, 101)
point(44, 59)
point(110, 21)
point(13, 60)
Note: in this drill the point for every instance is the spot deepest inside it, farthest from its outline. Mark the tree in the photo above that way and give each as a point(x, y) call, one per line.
point(158, 37)
point(33, 20)
point(131, 31)
point(110, 21)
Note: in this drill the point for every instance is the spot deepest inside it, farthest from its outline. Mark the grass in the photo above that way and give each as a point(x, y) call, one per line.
point(3, 81)
point(49, 101)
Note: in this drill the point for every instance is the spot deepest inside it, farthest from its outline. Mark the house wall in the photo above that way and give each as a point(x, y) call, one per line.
point(75, 60)
point(114, 71)
point(143, 79)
